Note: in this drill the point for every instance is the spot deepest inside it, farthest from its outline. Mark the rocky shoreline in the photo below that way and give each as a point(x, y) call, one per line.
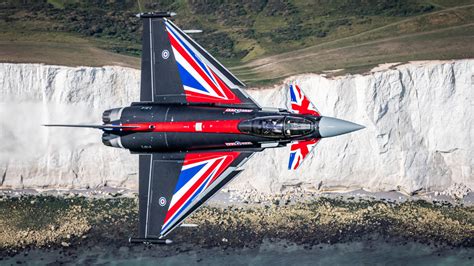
point(71, 223)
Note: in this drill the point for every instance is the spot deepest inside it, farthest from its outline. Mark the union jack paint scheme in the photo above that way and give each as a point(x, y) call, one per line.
point(299, 150)
point(194, 127)
point(198, 173)
point(300, 104)
point(200, 82)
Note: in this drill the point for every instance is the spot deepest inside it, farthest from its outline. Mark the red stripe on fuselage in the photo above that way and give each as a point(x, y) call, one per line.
point(208, 126)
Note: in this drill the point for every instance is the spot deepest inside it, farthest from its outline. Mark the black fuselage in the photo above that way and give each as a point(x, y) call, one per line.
point(180, 128)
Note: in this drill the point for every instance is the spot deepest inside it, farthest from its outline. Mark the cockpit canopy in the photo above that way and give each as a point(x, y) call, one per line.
point(277, 126)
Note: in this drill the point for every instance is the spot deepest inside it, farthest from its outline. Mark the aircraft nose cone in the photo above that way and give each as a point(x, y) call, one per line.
point(330, 127)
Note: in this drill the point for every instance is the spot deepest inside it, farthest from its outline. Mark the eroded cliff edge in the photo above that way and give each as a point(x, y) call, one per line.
point(418, 136)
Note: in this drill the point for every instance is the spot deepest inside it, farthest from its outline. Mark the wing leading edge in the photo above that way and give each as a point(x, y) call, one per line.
point(176, 69)
point(172, 188)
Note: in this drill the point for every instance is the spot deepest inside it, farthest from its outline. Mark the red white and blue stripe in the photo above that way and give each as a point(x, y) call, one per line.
point(300, 104)
point(198, 172)
point(200, 82)
point(299, 150)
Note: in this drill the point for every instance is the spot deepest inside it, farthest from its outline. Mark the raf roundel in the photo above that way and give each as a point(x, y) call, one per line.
point(162, 201)
point(165, 54)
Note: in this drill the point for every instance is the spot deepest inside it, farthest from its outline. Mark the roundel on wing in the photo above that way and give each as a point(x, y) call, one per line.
point(162, 201)
point(165, 54)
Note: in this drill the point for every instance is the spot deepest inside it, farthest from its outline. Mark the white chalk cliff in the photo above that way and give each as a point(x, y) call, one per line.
point(419, 134)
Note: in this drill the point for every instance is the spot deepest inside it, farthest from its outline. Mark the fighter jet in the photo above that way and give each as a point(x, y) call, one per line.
point(194, 127)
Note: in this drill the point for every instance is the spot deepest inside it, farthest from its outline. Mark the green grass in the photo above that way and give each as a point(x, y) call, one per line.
point(438, 35)
point(57, 3)
point(262, 41)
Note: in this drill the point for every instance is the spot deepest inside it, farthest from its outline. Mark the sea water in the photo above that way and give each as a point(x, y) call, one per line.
point(279, 253)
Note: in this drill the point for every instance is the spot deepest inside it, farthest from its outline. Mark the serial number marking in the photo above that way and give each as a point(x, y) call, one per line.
point(236, 110)
point(238, 143)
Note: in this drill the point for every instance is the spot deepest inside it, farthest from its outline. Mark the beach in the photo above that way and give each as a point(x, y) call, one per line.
point(70, 224)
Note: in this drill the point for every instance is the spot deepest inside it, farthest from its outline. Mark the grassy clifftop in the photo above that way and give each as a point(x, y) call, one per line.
point(311, 35)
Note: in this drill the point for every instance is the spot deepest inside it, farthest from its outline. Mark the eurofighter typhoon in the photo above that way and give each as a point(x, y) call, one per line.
point(194, 127)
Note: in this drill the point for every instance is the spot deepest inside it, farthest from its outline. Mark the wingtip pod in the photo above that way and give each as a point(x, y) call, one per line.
point(160, 14)
point(300, 103)
point(143, 240)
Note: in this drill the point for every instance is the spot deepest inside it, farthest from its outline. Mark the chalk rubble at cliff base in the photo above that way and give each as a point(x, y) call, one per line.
point(42, 222)
point(418, 119)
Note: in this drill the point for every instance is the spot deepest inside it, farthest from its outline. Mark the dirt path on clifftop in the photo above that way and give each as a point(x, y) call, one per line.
point(302, 53)
point(442, 35)
point(67, 54)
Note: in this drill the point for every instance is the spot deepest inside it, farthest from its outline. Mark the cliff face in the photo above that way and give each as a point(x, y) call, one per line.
point(418, 116)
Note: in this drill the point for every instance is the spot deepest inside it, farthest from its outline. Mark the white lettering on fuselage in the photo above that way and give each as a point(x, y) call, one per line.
point(235, 110)
point(238, 143)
